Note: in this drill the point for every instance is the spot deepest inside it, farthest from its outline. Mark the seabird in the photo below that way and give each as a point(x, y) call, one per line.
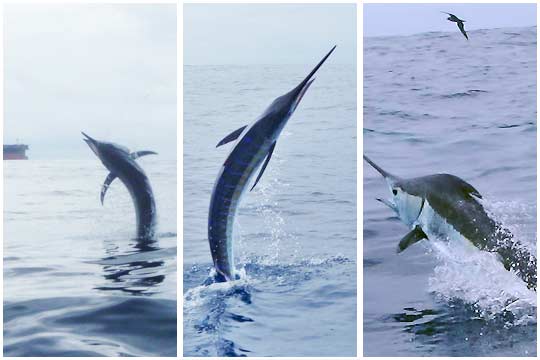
point(459, 22)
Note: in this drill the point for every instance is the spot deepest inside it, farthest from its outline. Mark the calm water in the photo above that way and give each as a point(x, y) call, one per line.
point(295, 237)
point(436, 103)
point(75, 281)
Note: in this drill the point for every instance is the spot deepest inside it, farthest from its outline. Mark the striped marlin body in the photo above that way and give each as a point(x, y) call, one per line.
point(121, 164)
point(255, 144)
point(446, 207)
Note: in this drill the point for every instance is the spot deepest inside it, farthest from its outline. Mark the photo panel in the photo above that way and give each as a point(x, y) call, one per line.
point(90, 188)
point(449, 188)
point(269, 180)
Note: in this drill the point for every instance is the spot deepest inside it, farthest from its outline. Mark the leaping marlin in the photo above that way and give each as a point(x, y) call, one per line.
point(255, 143)
point(459, 22)
point(446, 207)
point(121, 164)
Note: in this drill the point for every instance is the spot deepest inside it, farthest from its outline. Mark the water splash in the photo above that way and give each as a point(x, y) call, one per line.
point(213, 311)
point(517, 217)
point(478, 278)
point(268, 209)
point(207, 309)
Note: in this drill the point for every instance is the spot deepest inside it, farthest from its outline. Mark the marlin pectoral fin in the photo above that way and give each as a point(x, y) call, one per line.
point(412, 237)
point(138, 154)
point(232, 136)
point(265, 163)
point(106, 185)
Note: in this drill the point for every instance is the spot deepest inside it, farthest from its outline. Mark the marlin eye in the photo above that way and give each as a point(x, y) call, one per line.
point(394, 191)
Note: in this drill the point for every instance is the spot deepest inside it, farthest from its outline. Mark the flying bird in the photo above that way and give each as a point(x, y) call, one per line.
point(459, 22)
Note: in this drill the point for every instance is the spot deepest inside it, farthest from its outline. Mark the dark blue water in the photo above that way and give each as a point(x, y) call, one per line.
point(436, 103)
point(295, 240)
point(76, 283)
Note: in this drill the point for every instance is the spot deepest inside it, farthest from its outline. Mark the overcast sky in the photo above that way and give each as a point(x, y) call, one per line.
point(109, 70)
point(405, 19)
point(268, 33)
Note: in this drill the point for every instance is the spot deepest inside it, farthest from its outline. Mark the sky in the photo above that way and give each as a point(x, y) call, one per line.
point(107, 70)
point(406, 19)
point(225, 34)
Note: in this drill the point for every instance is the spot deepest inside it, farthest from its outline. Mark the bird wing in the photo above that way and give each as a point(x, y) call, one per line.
point(462, 29)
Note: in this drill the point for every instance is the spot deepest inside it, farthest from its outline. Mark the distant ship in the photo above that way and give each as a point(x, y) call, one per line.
point(15, 152)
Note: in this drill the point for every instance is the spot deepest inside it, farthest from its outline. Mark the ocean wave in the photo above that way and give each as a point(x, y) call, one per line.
point(468, 93)
point(76, 326)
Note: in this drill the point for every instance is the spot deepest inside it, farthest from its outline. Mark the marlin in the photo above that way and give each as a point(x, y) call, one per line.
point(459, 22)
point(121, 164)
point(255, 145)
point(443, 206)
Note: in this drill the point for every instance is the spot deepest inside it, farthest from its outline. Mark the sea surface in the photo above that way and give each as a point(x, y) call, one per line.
point(437, 103)
point(295, 233)
point(76, 283)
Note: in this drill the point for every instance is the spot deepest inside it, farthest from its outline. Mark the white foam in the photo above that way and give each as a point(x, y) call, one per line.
point(480, 279)
point(201, 295)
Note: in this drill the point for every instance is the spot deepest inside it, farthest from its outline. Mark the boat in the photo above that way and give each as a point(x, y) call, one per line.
point(15, 152)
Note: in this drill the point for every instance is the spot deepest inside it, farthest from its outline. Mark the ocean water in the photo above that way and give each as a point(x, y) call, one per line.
point(295, 233)
point(75, 281)
point(436, 103)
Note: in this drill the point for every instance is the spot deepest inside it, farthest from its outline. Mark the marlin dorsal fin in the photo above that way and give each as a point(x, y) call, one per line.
point(106, 185)
point(232, 136)
point(469, 189)
point(265, 163)
point(414, 236)
point(138, 154)
point(465, 188)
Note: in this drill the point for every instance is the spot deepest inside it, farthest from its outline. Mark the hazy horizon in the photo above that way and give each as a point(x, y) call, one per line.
point(106, 69)
point(450, 31)
point(268, 34)
point(389, 19)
